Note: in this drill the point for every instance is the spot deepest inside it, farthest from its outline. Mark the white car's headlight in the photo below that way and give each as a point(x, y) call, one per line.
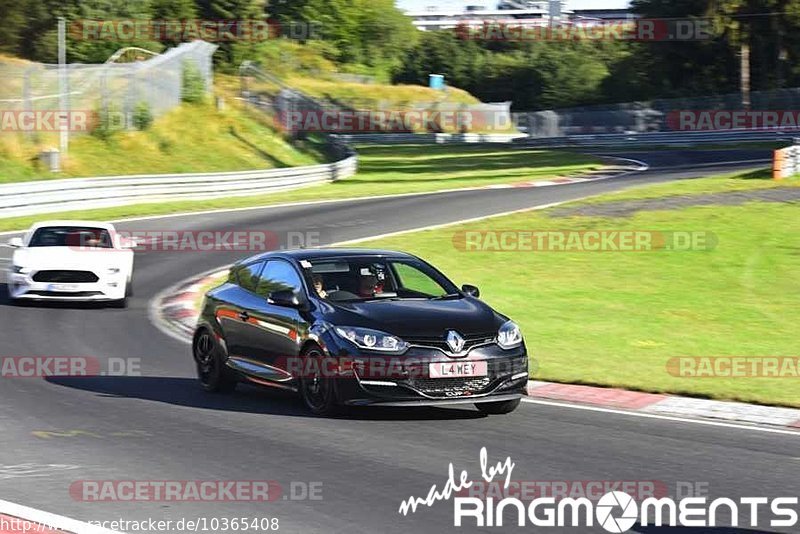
point(372, 339)
point(113, 270)
point(19, 269)
point(509, 336)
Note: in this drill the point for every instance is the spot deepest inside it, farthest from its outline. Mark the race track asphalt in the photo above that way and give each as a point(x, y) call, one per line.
point(161, 426)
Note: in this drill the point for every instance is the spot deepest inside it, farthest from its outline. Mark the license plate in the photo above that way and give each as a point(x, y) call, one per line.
point(64, 287)
point(457, 369)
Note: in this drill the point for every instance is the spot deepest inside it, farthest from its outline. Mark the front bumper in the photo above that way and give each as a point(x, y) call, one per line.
point(406, 380)
point(434, 402)
point(107, 288)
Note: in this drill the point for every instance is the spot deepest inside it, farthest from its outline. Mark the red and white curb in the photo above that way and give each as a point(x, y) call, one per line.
point(18, 519)
point(668, 405)
point(175, 310)
point(607, 172)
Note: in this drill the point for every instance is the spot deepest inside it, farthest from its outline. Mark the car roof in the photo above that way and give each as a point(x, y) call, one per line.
point(86, 224)
point(323, 253)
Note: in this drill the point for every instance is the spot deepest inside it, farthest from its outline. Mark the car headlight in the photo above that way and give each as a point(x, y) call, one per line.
point(113, 270)
point(19, 269)
point(372, 339)
point(509, 336)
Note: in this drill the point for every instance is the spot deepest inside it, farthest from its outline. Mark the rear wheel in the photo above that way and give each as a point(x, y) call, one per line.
point(498, 408)
point(214, 375)
point(318, 391)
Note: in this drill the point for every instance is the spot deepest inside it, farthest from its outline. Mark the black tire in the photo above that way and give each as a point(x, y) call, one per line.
point(129, 288)
point(213, 374)
point(318, 391)
point(498, 408)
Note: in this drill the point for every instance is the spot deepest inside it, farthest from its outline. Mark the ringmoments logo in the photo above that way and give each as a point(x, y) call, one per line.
point(615, 511)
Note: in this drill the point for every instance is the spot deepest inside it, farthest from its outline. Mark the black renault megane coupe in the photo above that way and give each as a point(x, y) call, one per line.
point(352, 327)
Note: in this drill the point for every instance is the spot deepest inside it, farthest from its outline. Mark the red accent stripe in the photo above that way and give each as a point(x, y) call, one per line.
point(15, 525)
point(614, 398)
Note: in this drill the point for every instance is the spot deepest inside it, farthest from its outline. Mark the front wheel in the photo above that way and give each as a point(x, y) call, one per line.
point(317, 390)
point(498, 408)
point(214, 375)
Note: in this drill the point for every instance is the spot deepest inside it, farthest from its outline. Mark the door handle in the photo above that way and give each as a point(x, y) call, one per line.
point(244, 316)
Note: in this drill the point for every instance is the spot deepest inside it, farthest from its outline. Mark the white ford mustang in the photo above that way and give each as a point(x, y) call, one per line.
point(71, 261)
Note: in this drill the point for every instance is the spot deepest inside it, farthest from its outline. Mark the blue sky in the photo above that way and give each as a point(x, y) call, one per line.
point(571, 4)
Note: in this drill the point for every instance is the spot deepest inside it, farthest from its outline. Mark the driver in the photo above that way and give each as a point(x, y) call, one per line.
point(319, 286)
point(368, 285)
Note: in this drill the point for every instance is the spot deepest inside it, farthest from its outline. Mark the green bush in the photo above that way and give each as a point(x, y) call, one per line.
point(194, 87)
point(109, 120)
point(142, 116)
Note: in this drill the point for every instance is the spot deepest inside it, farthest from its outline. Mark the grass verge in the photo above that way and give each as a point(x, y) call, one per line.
point(383, 171)
point(617, 318)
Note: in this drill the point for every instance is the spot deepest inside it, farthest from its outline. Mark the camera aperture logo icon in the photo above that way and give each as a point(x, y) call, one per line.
point(606, 508)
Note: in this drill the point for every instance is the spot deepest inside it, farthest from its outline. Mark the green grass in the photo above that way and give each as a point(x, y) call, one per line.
point(191, 138)
point(616, 318)
point(383, 171)
point(372, 96)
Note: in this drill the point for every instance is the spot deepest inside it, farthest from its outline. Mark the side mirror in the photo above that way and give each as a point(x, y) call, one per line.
point(472, 291)
point(286, 298)
point(15, 242)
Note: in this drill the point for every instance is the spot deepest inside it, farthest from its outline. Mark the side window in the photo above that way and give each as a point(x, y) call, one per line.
point(246, 276)
point(278, 276)
point(411, 278)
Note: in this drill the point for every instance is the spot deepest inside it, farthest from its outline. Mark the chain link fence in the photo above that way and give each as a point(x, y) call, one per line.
point(113, 88)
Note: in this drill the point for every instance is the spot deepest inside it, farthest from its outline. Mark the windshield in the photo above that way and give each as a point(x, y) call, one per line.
point(71, 236)
point(371, 278)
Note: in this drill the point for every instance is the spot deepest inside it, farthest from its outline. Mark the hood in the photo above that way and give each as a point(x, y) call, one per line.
point(418, 318)
point(68, 258)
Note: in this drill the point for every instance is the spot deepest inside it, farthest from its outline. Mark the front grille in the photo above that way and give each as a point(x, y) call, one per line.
point(68, 277)
point(450, 387)
point(470, 341)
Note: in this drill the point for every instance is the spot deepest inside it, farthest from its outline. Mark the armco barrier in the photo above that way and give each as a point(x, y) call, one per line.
point(661, 138)
point(30, 198)
point(424, 139)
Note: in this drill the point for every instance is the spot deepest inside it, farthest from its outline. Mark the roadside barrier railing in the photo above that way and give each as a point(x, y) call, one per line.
point(48, 196)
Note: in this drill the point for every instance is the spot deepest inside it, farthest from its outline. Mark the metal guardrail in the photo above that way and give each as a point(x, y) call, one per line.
point(439, 138)
point(661, 138)
point(31, 198)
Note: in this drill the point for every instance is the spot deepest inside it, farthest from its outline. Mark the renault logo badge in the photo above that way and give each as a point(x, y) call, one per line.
point(455, 341)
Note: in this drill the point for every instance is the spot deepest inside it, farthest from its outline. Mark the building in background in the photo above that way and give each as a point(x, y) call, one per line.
point(519, 13)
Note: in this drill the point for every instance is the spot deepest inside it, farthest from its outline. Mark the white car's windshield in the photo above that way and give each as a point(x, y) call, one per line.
point(71, 236)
